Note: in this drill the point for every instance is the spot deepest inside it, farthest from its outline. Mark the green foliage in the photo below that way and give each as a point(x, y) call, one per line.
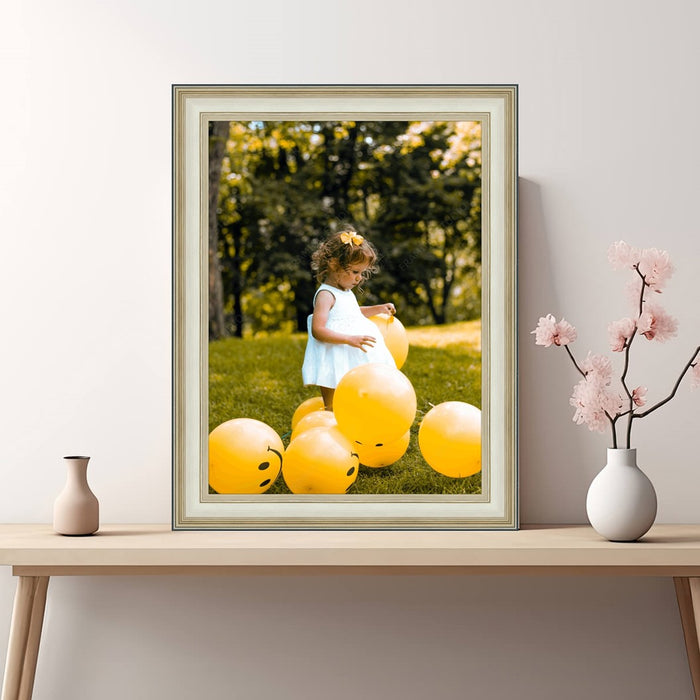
point(260, 378)
point(413, 188)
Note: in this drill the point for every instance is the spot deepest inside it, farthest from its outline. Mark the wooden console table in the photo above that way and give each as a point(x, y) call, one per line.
point(36, 553)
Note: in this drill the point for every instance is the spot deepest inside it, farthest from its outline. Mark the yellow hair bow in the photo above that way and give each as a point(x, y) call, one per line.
point(351, 237)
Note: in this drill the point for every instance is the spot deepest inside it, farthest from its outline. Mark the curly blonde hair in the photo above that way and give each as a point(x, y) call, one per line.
point(334, 249)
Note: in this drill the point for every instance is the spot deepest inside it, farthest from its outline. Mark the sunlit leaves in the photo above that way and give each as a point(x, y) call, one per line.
point(412, 187)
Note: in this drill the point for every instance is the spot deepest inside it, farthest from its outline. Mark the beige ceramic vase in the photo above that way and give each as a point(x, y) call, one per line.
point(76, 511)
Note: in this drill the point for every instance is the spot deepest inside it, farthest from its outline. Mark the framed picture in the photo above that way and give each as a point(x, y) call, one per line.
point(344, 307)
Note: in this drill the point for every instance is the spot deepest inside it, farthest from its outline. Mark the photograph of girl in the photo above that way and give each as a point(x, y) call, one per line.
point(341, 336)
point(345, 308)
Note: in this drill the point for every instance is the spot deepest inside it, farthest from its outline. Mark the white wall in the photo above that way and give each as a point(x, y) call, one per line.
point(609, 98)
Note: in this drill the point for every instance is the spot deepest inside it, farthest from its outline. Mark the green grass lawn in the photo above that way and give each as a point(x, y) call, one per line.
point(261, 378)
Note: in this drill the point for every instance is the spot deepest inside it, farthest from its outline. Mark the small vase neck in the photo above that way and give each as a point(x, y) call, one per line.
point(622, 457)
point(76, 468)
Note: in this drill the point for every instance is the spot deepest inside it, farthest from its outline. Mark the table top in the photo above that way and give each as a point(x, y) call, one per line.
point(34, 549)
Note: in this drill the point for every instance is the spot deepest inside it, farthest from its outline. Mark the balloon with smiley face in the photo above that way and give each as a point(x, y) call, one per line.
point(449, 438)
point(320, 460)
point(382, 455)
point(245, 456)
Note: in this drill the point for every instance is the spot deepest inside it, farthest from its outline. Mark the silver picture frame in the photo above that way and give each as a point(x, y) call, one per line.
point(194, 505)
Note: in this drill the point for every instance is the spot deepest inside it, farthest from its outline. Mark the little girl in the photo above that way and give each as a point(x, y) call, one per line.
point(341, 336)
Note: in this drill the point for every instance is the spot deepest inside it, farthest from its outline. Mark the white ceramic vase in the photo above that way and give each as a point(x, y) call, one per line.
point(76, 511)
point(621, 501)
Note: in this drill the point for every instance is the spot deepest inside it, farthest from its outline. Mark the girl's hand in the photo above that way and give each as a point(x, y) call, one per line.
point(359, 341)
point(369, 311)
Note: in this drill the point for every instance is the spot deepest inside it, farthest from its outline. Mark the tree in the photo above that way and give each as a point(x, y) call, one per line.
point(427, 219)
point(413, 188)
point(218, 134)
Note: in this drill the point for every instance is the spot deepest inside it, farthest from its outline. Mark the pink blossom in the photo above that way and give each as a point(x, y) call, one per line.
point(619, 332)
point(638, 395)
point(622, 256)
point(695, 375)
point(549, 332)
point(633, 292)
point(656, 267)
point(595, 403)
point(656, 324)
point(588, 410)
point(598, 368)
point(653, 264)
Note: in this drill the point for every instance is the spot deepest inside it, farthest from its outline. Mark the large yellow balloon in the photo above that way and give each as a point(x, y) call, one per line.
point(382, 455)
point(374, 403)
point(245, 456)
point(320, 460)
point(395, 336)
point(449, 438)
point(305, 407)
point(315, 419)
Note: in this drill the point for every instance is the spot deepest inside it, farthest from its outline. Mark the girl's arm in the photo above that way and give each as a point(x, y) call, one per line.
point(388, 308)
point(324, 303)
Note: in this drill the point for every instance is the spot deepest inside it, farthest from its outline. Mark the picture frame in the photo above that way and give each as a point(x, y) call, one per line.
point(494, 108)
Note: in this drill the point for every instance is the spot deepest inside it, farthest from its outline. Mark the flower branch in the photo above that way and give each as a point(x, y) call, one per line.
point(633, 401)
point(675, 388)
point(596, 402)
point(573, 359)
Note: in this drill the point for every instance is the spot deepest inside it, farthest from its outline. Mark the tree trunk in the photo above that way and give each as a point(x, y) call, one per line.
point(218, 134)
point(237, 279)
point(303, 295)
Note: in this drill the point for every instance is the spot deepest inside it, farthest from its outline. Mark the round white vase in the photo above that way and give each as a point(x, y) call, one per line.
point(76, 511)
point(621, 501)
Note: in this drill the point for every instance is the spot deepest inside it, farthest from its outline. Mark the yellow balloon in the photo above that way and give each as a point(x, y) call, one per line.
point(305, 407)
point(374, 403)
point(315, 419)
point(395, 336)
point(449, 438)
point(382, 455)
point(320, 460)
point(245, 456)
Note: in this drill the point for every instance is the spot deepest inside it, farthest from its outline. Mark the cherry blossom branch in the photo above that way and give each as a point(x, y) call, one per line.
point(584, 374)
point(573, 359)
point(623, 377)
point(594, 399)
point(629, 428)
point(644, 285)
point(614, 429)
point(689, 364)
point(628, 345)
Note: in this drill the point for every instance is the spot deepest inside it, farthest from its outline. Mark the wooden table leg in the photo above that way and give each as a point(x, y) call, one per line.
point(688, 595)
point(25, 634)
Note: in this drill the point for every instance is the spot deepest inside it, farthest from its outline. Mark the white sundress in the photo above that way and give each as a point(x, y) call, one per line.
point(325, 363)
